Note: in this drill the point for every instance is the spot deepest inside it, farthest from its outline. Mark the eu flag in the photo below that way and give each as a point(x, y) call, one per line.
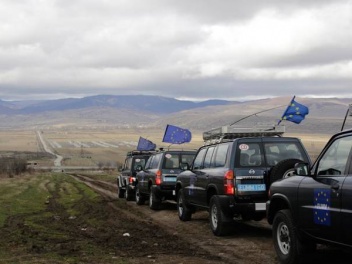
point(145, 144)
point(295, 112)
point(321, 211)
point(176, 135)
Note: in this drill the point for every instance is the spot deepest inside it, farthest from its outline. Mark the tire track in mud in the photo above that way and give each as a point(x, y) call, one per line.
point(251, 242)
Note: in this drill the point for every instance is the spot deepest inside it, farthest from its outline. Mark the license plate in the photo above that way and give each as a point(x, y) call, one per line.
point(251, 187)
point(170, 179)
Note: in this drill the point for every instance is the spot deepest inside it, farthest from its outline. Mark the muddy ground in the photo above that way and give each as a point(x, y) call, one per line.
point(162, 238)
point(112, 230)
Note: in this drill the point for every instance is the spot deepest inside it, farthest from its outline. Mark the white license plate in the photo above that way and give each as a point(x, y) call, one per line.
point(251, 187)
point(170, 179)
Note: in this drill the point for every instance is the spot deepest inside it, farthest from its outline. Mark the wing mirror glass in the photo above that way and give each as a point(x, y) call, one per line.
point(184, 166)
point(302, 169)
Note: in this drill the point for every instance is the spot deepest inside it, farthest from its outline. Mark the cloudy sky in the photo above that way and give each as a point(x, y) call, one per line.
point(187, 49)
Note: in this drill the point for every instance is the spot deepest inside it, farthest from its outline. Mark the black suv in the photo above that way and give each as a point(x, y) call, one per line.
point(157, 180)
point(134, 162)
point(231, 178)
point(315, 206)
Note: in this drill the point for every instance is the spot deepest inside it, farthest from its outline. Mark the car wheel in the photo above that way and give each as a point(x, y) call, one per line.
point(154, 202)
point(219, 223)
point(284, 169)
point(288, 247)
point(128, 194)
point(120, 191)
point(184, 212)
point(139, 198)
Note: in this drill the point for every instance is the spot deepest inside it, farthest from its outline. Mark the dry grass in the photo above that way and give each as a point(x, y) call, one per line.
point(81, 146)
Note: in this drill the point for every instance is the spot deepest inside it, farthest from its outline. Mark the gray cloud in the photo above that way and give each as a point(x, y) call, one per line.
point(184, 49)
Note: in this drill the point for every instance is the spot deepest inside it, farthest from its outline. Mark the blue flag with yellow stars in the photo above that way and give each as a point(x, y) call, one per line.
point(145, 144)
point(322, 202)
point(176, 135)
point(295, 112)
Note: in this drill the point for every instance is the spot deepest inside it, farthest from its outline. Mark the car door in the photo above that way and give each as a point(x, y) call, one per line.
point(319, 197)
point(150, 172)
point(190, 178)
point(346, 204)
point(202, 178)
point(141, 176)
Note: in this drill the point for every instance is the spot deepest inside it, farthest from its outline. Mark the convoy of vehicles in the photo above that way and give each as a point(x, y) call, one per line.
point(252, 174)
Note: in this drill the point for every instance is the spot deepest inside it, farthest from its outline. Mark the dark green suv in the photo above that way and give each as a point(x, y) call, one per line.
point(134, 162)
point(157, 180)
point(231, 177)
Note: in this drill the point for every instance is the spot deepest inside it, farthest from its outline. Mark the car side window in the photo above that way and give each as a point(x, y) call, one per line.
point(335, 159)
point(208, 156)
point(149, 162)
point(128, 164)
point(221, 155)
point(155, 162)
point(198, 161)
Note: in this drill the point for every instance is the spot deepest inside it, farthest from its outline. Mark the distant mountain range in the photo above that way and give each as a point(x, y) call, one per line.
point(325, 116)
point(153, 104)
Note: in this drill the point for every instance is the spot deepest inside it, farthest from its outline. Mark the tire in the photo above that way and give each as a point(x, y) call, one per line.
point(289, 248)
point(128, 194)
point(284, 169)
point(154, 202)
point(183, 210)
point(220, 224)
point(120, 191)
point(139, 198)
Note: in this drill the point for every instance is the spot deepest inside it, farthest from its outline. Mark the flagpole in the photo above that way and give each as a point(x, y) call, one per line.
point(344, 121)
point(287, 109)
point(256, 114)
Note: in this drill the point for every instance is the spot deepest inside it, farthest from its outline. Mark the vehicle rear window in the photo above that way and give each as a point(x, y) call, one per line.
point(139, 162)
point(278, 151)
point(187, 158)
point(171, 161)
point(250, 154)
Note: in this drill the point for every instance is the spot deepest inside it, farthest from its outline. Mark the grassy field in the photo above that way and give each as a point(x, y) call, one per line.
point(44, 219)
point(84, 147)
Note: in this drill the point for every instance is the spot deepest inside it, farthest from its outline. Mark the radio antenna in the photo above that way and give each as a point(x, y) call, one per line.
point(256, 114)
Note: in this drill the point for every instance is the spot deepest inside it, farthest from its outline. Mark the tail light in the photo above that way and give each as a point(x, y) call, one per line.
point(229, 187)
point(158, 177)
point(131, 179)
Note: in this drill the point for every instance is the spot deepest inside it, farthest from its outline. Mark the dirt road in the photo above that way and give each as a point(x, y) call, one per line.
point(250, 243)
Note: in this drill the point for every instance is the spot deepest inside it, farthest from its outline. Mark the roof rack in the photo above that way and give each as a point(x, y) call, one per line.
point(139, 152)
point(228, 132)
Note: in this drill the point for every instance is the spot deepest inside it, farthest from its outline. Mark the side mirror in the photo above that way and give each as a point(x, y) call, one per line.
point(139, 168)
point(184, 166)
point(302, 169)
